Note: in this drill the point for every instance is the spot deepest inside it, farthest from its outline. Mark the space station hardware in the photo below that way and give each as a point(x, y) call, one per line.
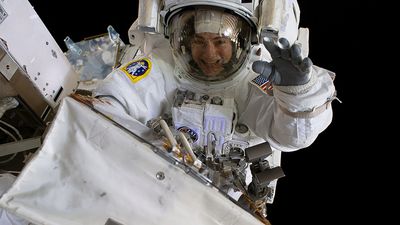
point(34, 76)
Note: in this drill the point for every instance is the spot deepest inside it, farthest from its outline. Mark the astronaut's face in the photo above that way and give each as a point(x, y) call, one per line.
point(209, 44)
point(210, 52)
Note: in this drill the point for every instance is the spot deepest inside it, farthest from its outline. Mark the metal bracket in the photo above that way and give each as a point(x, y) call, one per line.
point(20, 146)
point(8, 67)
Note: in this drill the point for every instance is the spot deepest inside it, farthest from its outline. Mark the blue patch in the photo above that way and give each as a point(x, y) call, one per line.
point(137, 70)
point(192, 134)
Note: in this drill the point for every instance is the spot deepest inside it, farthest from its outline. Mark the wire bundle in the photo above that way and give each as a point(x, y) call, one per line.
point(6, 104)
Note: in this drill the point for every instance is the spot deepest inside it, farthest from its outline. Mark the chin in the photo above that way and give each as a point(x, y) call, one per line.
point(211, 73)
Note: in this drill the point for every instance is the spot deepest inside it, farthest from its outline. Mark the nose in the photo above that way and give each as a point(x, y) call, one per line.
point(210, 51)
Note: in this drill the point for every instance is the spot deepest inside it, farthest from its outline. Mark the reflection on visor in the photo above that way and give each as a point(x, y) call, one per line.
point(211, 52)
point(209, 44)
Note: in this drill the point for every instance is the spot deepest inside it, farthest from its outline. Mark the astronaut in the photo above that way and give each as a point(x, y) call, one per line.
point(229, 75)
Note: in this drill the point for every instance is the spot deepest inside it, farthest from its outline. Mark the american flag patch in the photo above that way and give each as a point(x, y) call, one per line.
point(263, 84)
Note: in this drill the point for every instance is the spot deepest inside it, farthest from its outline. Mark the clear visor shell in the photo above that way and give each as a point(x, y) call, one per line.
point(208, 43)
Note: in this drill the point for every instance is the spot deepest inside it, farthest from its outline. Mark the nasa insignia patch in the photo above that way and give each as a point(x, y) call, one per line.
point(192, 134)
point(137, 69)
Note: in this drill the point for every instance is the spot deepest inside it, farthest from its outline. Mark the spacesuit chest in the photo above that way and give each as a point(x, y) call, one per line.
point(209, 120)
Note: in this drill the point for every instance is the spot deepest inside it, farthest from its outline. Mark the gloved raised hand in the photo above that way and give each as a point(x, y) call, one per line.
point(288, 67)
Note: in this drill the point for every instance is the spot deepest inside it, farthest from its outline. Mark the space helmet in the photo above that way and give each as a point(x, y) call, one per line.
point(209, 43)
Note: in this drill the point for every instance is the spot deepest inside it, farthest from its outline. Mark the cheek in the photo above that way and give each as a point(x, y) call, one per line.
point(226, 53)
point(195, 54)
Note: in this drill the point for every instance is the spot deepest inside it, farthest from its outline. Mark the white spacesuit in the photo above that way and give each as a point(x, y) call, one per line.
point(196, 66)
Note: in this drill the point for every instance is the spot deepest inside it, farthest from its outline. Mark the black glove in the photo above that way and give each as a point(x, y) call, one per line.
point(287, 67)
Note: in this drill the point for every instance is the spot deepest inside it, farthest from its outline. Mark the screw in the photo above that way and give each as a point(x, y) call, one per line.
point(160, 175)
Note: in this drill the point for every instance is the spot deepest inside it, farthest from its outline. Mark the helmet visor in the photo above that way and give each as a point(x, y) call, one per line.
point(210, 44)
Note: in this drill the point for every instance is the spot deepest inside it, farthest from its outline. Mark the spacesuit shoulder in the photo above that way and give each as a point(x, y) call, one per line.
point(135, 76)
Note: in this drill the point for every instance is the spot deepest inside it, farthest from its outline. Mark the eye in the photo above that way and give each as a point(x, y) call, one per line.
point(221, 41)
point(198, 41)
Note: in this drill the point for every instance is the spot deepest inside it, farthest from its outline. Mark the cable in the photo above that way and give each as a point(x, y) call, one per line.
point(9, 171)
point(7, 103)
point(12, 127)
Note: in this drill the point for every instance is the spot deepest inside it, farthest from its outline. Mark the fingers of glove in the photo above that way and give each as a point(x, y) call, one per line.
point(272, 48)
point(306, 64)
point(284, 46)
point(295, 52)
point(262, 67)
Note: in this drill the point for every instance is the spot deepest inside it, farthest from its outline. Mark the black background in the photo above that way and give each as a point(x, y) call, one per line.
point(323, 182)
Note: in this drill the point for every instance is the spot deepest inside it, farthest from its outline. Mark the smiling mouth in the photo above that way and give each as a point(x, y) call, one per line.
point(211, 69)
point(211, 62)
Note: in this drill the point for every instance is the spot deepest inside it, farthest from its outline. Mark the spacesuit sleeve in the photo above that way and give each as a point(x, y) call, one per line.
point(133, 94)
point(112, 108)
point(297, 120)
point(112, 103)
